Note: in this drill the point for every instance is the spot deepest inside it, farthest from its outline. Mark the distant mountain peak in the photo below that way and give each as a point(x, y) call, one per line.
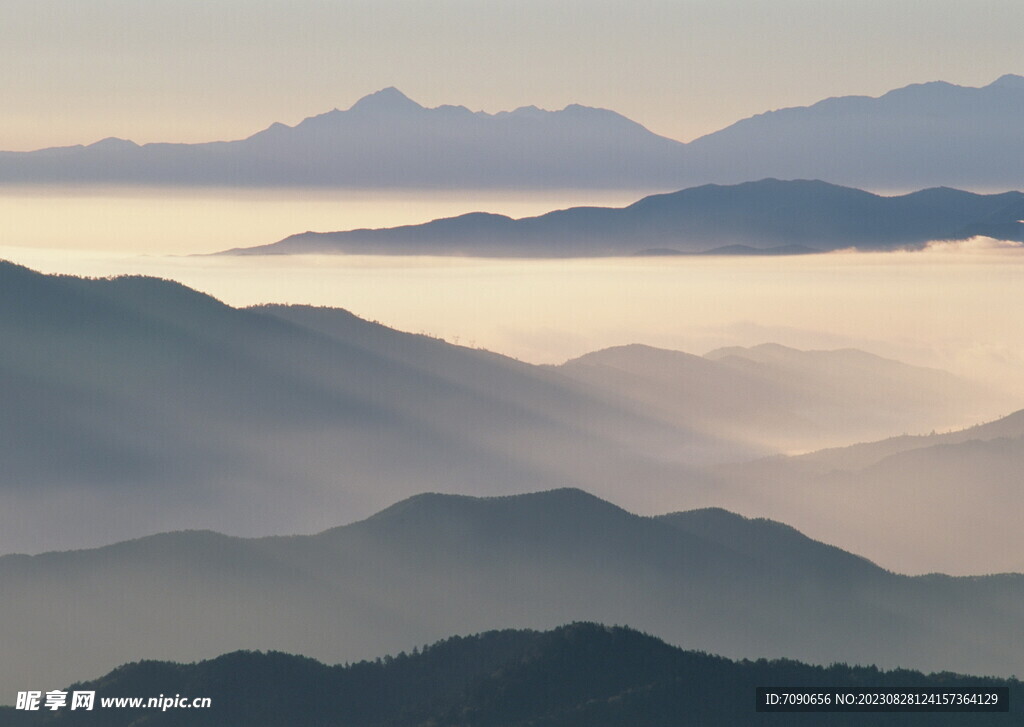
point(567, 497)
point(438, 510)
point(771, 347)
point(1008, 80)
point(113, 142)
point(387, 100)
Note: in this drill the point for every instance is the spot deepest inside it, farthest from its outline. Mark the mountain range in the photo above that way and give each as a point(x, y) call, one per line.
point(384, 140)
point(434, 565)
point(768, 216)
point(136, 405)
point(926, 134)
point(923, 135)
point(571, 676)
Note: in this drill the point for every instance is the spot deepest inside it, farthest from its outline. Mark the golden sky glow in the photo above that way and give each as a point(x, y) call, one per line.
point(183, 70)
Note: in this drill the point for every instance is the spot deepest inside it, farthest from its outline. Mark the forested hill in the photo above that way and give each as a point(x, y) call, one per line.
point(579, 675)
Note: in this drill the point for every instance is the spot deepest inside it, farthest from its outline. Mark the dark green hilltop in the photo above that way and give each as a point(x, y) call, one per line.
point(581, 675)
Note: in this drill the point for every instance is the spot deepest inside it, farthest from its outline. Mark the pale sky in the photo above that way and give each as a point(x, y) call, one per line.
point(75, 71)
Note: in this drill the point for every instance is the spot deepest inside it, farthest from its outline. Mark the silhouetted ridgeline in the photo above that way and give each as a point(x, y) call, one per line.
point(385, 140)
point(768, 216)
point(583, 675)
point(923, 135)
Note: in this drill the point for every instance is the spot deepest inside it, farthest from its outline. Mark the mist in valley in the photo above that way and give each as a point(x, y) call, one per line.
point(951, 306)
point(284, 395)
point(168, 409)
point(715, 333)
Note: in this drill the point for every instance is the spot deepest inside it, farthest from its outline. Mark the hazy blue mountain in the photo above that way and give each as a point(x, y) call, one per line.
point(576, 675)
point(136, 405)
point(923, 135)
point(768, 216)
point(386, 140)
point(927, 134)
point(783, 399)
point(435, 564)
point(946, 501)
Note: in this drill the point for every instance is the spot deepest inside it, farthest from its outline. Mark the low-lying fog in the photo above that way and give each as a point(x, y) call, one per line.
point(185, 221)
point(952, 306)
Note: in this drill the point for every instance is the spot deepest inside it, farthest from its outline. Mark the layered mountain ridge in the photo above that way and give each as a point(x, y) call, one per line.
point(135, 405)
point(434, 565)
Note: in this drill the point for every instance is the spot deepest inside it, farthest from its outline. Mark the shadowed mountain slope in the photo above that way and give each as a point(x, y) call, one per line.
point(439, 564)
point(133, 405)
point(582, 674)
